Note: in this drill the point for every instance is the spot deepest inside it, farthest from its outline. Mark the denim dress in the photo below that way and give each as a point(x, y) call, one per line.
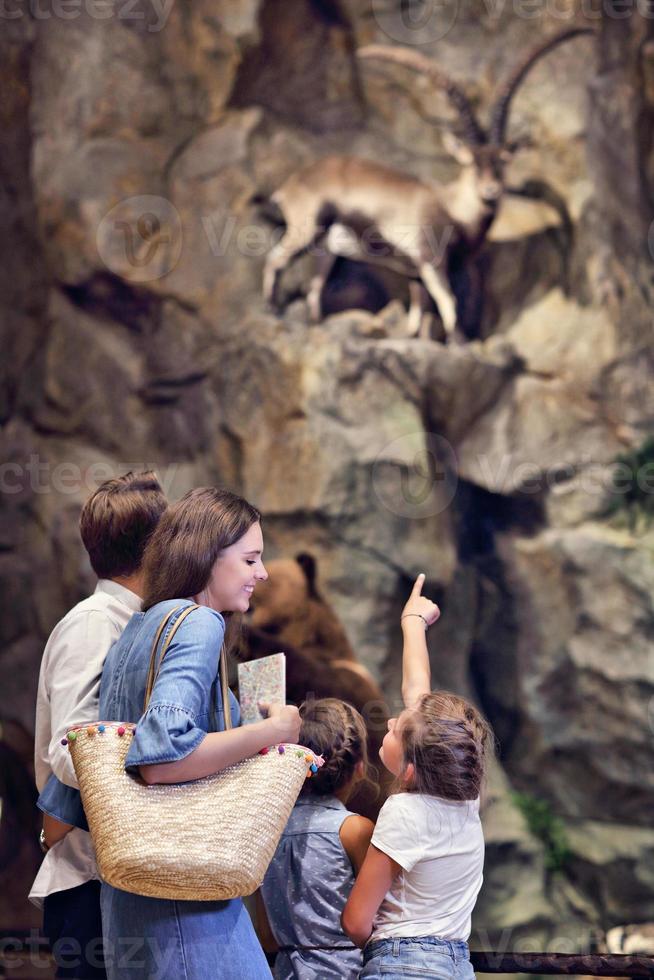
point(307, 884)
point(161, 938)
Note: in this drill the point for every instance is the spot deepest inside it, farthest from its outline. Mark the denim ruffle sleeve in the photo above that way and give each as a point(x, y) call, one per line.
point(63, 803)
point(165, 733)
point(180, 710)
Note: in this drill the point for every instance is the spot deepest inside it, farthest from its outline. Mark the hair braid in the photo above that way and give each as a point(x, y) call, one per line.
point(335, 730)
point(446, 740)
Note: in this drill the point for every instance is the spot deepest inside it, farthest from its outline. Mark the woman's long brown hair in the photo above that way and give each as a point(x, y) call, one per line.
point(188, 539)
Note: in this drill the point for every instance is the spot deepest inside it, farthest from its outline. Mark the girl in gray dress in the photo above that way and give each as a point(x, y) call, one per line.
point(321, 850)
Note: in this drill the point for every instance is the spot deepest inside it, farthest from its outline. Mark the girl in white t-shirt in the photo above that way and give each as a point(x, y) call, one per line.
point(411, 904)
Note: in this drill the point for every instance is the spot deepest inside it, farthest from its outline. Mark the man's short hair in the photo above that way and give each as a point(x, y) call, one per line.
point(117, 521)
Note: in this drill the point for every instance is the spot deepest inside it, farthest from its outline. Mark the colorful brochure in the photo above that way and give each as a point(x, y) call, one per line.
point(261, 680)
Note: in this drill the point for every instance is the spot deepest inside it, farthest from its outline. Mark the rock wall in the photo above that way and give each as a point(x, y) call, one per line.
point(135, 335)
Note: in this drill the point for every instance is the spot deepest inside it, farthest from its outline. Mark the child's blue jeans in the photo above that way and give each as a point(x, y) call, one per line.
point(424, 956)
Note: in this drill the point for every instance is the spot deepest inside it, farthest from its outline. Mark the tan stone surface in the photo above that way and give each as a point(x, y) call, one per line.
point(486, 466)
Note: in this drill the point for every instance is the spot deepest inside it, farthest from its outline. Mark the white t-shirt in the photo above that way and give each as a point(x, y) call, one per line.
point(68, 694)
point(439, 845)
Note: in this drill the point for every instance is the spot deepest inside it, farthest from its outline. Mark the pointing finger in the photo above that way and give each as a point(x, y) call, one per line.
point(418, 584)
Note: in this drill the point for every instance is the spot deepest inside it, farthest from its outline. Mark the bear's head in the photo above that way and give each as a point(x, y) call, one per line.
point(279, 599)
point(289, 606)
point(289, 615)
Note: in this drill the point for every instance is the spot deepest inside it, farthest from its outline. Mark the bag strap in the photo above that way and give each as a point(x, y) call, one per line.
point(154, 668)
point(224, 687)
point(153, 671)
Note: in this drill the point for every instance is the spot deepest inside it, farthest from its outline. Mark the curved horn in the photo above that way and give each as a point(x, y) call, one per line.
point(418, 62)
point(501, 106)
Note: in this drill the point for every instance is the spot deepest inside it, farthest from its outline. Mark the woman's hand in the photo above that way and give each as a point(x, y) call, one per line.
point(218, 750)
point(419, 606)
point(284, 719)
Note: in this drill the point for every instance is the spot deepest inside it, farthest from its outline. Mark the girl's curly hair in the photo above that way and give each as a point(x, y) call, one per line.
point(336, 731)
point(448, 741)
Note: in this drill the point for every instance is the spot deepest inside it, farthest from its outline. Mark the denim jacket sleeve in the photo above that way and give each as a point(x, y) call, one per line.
point(63, 803)
point(178, 715)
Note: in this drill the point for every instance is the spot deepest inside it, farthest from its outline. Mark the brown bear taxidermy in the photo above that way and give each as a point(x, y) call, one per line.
point(290, 615)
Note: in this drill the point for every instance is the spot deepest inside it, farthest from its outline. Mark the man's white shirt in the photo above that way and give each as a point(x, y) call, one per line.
point(68, 694)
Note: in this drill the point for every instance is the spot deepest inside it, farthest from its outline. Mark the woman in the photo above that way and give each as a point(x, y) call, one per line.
point(207, 549)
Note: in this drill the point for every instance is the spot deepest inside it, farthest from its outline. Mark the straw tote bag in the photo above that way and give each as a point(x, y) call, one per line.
point(209, 839)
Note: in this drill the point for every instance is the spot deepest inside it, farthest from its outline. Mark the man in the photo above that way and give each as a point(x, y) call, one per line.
point(115, 525)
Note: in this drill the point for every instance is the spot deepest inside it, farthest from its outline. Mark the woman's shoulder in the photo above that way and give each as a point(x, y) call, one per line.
point(200, 618)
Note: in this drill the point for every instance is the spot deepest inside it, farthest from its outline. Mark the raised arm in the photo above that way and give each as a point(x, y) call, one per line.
point(418, 614)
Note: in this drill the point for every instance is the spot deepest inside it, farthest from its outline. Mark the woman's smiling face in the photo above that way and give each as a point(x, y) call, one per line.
point(235, 573)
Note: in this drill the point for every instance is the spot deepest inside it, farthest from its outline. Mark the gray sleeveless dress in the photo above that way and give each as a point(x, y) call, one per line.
point(305, 889)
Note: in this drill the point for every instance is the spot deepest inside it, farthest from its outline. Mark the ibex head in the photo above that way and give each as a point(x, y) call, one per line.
point(484, 149)
point(487, 163)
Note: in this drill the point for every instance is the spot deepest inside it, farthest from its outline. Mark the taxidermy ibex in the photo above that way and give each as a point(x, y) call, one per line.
point(369, 212)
